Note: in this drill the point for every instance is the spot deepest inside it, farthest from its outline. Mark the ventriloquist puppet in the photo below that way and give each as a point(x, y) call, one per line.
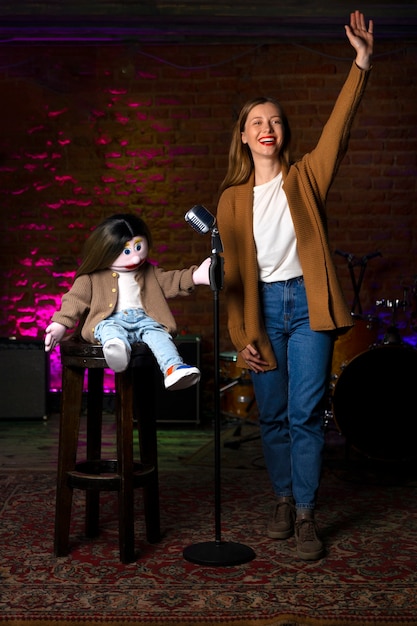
point(123, 298)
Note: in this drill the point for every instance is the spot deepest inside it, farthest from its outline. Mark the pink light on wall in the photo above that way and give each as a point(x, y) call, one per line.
point(74, 163)
point(55, 377)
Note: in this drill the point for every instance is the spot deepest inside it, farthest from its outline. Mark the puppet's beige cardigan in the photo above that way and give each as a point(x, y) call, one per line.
point(306, 184)
point(93, 297)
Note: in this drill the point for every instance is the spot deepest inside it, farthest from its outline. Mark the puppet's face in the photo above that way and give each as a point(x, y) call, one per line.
point(133, 255)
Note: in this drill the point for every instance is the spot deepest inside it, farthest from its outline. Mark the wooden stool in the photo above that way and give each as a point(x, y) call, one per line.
point(134, 402)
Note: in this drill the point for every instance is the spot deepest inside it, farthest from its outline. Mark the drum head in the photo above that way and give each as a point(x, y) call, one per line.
point(374, 402)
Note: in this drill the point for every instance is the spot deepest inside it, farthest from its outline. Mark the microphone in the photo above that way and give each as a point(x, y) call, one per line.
point(200, 219)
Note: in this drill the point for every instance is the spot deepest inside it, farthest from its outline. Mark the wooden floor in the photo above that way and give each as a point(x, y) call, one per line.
point(34, 443)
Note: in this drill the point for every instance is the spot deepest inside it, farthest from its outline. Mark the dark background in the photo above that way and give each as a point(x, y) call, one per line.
point(113, 106)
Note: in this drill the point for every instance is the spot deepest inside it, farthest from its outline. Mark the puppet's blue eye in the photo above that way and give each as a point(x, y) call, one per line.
point(138, 246)
point(126, 251)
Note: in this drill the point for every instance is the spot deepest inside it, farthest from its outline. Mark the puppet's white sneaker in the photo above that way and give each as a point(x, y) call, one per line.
point(181, 376)
point(117, 354)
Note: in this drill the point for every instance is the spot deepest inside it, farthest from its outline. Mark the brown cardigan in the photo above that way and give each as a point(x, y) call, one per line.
point(95, 296)
point(306, 185)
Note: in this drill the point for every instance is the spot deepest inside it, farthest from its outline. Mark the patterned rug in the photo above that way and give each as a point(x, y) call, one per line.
point(368, 577)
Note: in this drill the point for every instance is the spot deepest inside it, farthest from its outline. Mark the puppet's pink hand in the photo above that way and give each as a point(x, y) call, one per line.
point(53, 335)
point(201, 275)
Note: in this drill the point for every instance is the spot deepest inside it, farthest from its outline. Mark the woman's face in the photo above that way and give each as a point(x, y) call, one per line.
point(133, 255)
point(264, 130)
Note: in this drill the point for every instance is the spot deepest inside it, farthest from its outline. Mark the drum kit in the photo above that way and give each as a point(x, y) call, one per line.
point(373, 380)
point(373, 373)
point(237, 398)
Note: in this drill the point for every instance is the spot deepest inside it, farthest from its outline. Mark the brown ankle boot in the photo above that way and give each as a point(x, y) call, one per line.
point(309, 545)
point(281, 522)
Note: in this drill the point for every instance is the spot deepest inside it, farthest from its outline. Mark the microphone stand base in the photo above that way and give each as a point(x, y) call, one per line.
point(218, 553)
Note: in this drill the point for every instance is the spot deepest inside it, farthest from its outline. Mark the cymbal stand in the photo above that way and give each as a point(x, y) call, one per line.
point(413, 315)
point(392, 334)
point(238, 439)
point(357, 282)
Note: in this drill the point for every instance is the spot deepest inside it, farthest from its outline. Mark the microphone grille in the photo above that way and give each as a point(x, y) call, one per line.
point(200, 219)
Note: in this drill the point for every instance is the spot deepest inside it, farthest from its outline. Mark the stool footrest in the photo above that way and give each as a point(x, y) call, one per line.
point(101, 474)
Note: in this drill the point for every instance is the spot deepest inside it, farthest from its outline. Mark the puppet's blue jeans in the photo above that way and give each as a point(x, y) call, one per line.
point(291, 399)
point(134, 326)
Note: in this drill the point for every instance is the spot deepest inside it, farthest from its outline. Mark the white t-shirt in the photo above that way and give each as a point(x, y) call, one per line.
point(129, 292)
point(274, 234)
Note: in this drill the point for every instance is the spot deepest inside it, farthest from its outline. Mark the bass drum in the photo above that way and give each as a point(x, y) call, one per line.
point(356, 340)
point(374, 403)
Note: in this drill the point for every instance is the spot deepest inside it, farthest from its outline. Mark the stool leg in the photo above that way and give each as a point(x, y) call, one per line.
point(124, 419)
point(94, 431)
point(145, 415)
point(72, 386)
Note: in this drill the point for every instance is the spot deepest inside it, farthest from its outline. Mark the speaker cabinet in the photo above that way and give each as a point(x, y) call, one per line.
point(182, 406)
point(23, 379)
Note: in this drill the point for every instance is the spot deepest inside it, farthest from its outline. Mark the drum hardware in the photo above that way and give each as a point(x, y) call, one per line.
point(364, 331)
point(229, 386)
point(413, 315)
point(372, 391)
point(392, 304)
point(236, 395)
point(372, 399)
point(392, 334)
point(353, 262)
point(243, 407)
point(237, 398)
point(235, 444)
point(408, 301)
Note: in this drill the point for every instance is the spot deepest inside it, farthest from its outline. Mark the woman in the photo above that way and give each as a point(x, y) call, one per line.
point(283, 297)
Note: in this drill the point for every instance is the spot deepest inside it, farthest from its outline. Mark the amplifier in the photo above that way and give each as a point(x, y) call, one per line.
point(23, 379)
point(182, 406)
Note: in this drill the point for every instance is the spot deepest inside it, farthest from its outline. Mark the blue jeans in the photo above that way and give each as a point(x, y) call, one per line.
point(292, 398)
point(133, 326)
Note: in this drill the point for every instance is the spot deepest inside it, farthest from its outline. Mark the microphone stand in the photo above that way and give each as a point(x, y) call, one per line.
point(217, 552)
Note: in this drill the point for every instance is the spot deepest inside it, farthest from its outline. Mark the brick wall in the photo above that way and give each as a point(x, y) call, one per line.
point(88, 130)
